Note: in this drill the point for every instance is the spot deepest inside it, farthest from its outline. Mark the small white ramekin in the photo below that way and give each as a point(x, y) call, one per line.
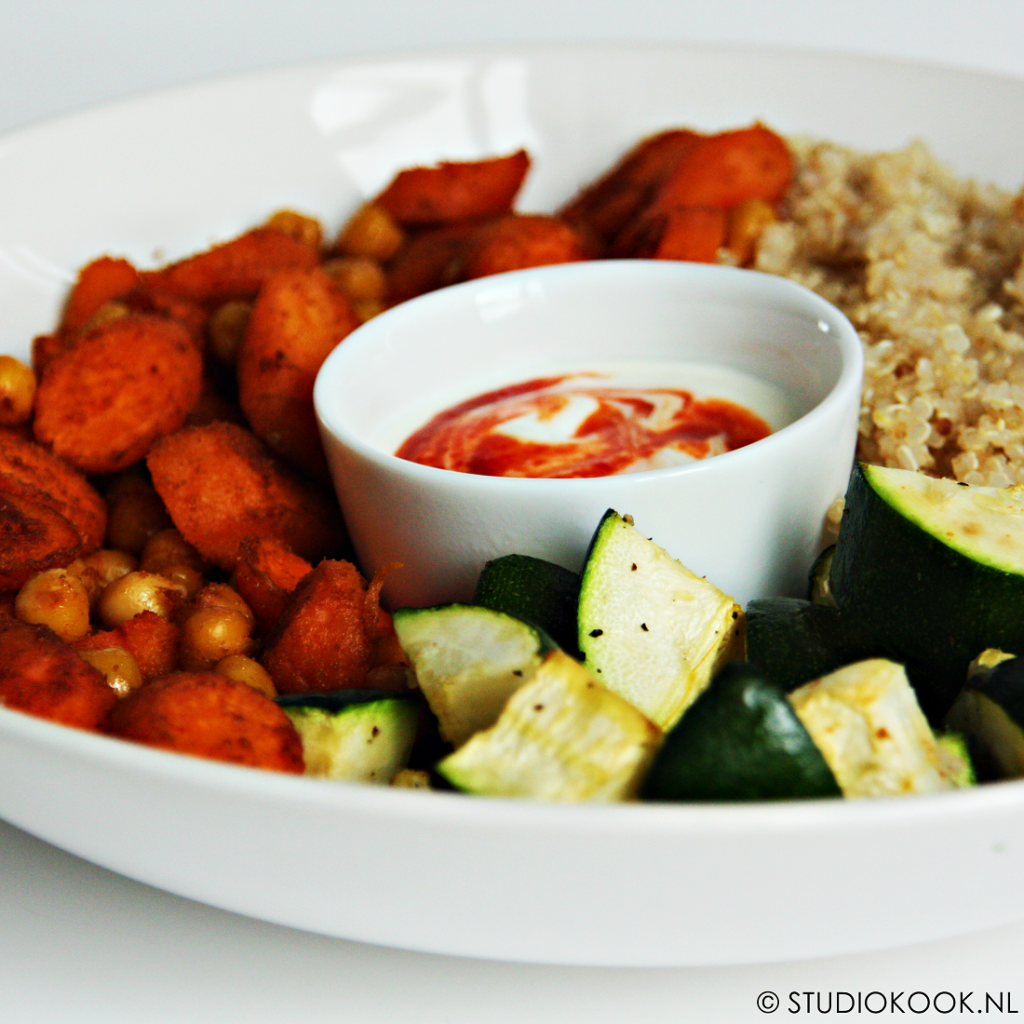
point(750, 520)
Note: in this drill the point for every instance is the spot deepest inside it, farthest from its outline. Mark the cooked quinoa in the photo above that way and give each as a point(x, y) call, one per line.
point(928, 267)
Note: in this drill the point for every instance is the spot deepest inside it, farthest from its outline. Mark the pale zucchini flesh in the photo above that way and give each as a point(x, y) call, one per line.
point(363, 742)
point(468, 660)
point(650, 629)
point(562, 736)
point(986, 524)
point(867, 723)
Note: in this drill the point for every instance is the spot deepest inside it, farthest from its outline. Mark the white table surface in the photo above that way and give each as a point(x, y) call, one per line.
point(79, 944)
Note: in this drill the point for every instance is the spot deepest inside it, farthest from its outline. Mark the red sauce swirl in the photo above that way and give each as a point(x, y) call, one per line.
point(623, 430)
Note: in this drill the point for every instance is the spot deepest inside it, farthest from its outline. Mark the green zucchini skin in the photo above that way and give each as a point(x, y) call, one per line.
point(928, 606)
point(337, 700)
point(793, 641)
point(739, 740)
point(537, 591)
point(990, 714)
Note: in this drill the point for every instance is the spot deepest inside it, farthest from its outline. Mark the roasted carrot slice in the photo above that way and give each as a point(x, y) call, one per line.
point(33, 537)
point(517, 241)
point(232, 270)
point(28, 468)
point(730, 168)
point(617, 197)
point(692, 233)
point(454, 191)
point(211, 716)
point(102, 403)
point(266, 572)
point(98, 282)
point(220, 483)
point(324, 640)
point(42, 675)
point(152, 640)
point(428, 260)
point(297, 320)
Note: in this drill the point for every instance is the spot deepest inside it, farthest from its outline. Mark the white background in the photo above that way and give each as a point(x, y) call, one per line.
point(79, 944)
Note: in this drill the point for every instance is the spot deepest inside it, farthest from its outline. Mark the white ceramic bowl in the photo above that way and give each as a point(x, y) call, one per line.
point(163, 175)
point(749, 520)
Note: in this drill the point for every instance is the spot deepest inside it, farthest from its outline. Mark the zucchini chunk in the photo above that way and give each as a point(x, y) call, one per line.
point(794, 641)
point(535, 590)
point(869, 727)
point(468, 661)
point(649, 629)
point(819, 590)
point(990, 713)
point(955, 759)
point(354, 735)
point(562, 736)
point(739, 740)
point(934, 569)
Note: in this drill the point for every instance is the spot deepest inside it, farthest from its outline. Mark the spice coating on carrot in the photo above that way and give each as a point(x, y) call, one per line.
point(42, 675)
point(297, 320)
point(266, 572)
point(729, 168)
point(211, 716)
point(454, 191)
point(611, 202)
point(220, 483)
point(102, 403)
point(234, 269)
point(325, 638)
point(518, 241)
point(29, 469)
point(99, 281)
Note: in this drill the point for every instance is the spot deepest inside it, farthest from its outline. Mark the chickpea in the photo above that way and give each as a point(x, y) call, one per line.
point(107, 313)
point(135, 513)
point(118, 667)
point(220, 595)
point(244, 669)
point(17, 391)
point(138, 592)
point(298, 225)
point(225, 330)
point(100, 568)
point(55, 598)
point(211, 634)
point(359, 277)
point(168, 547)
point(370, 232)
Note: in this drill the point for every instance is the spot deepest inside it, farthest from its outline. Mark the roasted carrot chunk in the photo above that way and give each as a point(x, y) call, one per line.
point(612, 201)
point(428, 260)
point(209, 715)
point(517, 241)
point(220, 483)
point(454, 191)
point(29, 469)
point(104, 401)
point(295, 323)
point(152, 640)
point(325, 638)
point(99, 281)
point(42, 675)
point(33, 537)
point(266, 572)
point(730, 168)
point(693, 233)
point(232, 270)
